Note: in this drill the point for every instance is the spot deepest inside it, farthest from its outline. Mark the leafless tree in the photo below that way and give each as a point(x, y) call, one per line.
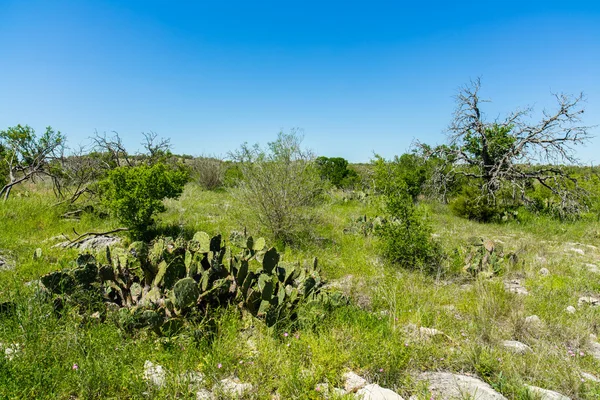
point(515, 151)
point(77, 173)
point(113, 150)
point(156, 148)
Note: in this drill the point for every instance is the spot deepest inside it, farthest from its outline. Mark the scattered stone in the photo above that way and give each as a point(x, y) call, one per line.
point(447, 386)
point(11, 350)
point(593, 268)
point(544, 272)
point(541, 259)
point(545, 394)
point(5, 265)
point(154, 374)
point(533, 321)
point(91, 243)
point(376, 392)
point(589, 377)
point(353, 382)
point(423, 332)
point(516, 346)
point(576, 250)
point(430, 332)
point(571, 310)
point(193, 379)
point(595, 350)
point(514, 286)
point(588, 300)
point(232, 388)
point(353, 288)
point(204, 394)
point(37, 254)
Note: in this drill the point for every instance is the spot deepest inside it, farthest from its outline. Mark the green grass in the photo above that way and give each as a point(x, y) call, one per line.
point(372, 335)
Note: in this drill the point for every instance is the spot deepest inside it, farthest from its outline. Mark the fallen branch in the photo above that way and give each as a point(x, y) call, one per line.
point(81, 237)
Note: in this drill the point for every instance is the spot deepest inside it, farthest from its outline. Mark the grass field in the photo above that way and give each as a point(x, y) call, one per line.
point(376, 335)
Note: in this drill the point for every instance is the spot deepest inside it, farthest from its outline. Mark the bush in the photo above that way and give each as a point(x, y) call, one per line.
point(335, 170)
point(208, 172)
point(473, 205)
point(405, 237)
point(134, 194)
point(279, 185)
point(408, 172)
point(3, 165)
point(233, 175)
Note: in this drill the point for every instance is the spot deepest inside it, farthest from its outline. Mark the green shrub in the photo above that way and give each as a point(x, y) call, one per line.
point(408, 172)
point(3, 165)
point(134, 194)
point(280, 184)
point(473, 205)
point(405, 237)
point(336, 171)
point(208, 172)
point(233, 175)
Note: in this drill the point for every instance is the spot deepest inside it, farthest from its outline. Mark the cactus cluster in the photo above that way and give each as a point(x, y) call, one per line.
point(364, 225)
point(486, 257)
point(164, 284)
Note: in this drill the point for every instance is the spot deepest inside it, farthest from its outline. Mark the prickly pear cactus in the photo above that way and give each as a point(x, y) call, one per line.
point(486, 257)
point(185, 293)
point(161, 285)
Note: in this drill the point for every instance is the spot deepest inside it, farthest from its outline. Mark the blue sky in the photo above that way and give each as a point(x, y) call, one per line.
point(357, 77)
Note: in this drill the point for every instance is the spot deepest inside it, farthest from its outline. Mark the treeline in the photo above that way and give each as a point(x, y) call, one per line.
point(487, 171)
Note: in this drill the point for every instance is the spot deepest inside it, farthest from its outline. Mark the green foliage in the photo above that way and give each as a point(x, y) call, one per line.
point(185, 281)
point(405, 237)
point(364, 225)
point(209, 172)
point(23, 155)
point(486, 258)
point(3, 165)
point(135, 194)
point(472, 204)
point(280, 184)
point(336, 171)
point(233, 175)
point(496, 142)
point(409, 172)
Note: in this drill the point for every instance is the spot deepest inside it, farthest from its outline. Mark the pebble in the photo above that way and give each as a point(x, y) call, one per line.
point(516, 346)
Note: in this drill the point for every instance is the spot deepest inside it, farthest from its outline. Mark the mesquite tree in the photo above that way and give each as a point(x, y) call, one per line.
point(515, 152)
point(280, 183)
point(25, 156)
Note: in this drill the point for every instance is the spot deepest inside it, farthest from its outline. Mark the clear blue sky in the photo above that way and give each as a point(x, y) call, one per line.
point(358, 76)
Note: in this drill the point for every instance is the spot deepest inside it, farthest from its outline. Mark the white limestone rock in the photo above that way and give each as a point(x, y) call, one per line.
point(448, 386)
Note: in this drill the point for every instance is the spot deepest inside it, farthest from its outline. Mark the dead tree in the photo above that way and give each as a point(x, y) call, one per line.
point(514, 151)
point(112, 150)
point(77, 174)
point(156, 148)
